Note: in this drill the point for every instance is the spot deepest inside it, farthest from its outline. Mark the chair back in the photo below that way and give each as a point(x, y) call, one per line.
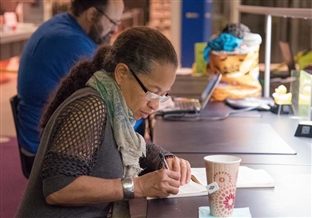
point(287, 56)
point(26, 159)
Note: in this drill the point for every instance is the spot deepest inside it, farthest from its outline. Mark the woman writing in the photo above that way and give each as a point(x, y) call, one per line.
point(89, 160)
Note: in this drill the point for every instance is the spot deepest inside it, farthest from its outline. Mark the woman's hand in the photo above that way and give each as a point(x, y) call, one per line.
point(180, 166)
point(159, 183)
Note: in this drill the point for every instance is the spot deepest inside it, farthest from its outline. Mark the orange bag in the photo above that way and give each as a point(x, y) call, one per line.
point(240, 74)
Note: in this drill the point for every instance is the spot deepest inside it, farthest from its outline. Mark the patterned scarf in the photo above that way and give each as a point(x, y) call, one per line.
point(130, 144)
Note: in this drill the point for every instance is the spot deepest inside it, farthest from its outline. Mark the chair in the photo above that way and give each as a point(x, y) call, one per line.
point(287, 56)
point(26, 157)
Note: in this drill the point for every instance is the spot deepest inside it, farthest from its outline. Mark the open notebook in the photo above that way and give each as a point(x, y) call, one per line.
point(191, 105)
point(247, 178)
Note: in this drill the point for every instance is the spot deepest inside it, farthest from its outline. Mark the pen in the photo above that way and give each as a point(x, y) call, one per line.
point(162, 157)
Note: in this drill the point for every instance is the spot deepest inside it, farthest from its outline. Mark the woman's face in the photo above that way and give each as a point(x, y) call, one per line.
point(159, 82)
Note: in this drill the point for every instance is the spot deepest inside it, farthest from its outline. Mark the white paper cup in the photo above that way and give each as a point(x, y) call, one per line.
point(222, 169)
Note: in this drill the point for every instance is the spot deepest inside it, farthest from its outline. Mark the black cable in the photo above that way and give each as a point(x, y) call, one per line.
point(198, 117)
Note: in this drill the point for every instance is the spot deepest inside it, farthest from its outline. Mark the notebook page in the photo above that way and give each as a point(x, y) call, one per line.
point(188, 190)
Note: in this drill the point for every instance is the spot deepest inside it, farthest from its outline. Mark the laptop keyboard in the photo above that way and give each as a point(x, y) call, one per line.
point(187, 105)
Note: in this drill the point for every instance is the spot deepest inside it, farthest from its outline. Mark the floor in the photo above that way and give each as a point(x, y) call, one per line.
point(7, 90)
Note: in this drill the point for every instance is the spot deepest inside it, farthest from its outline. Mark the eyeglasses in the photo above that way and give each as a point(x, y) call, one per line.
point(149, 95)
point(116, 23)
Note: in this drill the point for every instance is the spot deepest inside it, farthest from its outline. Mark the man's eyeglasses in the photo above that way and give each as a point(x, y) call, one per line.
point(149, 95)
point(116, 23)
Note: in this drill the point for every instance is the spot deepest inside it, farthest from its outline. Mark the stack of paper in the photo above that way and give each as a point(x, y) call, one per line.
point(251, 178)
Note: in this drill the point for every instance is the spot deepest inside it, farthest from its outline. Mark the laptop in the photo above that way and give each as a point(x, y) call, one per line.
point(191, 105)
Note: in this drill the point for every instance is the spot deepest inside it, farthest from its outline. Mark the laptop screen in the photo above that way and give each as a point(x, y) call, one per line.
point(214, 80)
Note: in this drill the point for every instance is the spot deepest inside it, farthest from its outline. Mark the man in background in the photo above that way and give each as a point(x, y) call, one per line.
point(50, 53)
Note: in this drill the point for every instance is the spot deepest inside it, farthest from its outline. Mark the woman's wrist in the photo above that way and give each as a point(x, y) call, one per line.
point(127, 188)
point(137, 188)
